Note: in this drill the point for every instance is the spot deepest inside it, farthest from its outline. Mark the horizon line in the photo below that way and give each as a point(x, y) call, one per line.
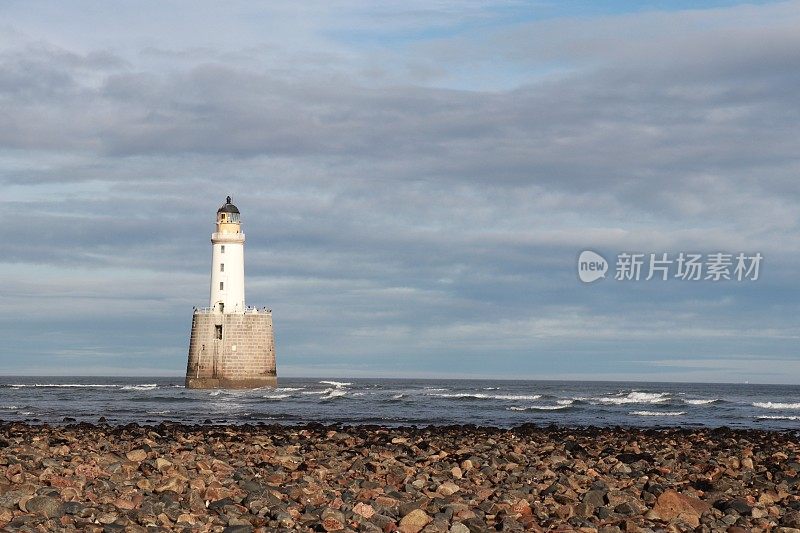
point(434, 378)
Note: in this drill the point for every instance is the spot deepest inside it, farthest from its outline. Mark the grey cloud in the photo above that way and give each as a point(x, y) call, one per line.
point(438, 221)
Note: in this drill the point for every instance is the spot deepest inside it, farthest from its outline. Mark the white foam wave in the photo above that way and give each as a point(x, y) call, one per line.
point(337, 393)
point(144, 386)
point(565, 402)
point(657, 413)
point(8, 407)
point(635, 397)
point(779, 417)
point(289, 389)
point(324, 391)
point(701, 402)
point(432, 389)
point(397, 396)
point(276, 396)
point(65, 385)
point(337, 384)
point(776, 405)
point(538, 408)
point(482, 396)
point(159, 412)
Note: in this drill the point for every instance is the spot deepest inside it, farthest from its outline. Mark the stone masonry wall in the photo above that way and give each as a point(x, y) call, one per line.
point(243, 358)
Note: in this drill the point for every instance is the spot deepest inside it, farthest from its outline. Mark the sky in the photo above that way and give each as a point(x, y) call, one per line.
point(416, 181)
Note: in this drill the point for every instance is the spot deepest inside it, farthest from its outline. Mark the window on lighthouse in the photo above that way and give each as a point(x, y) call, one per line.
point(222, 267)
point(222, 249)
point(221, 285)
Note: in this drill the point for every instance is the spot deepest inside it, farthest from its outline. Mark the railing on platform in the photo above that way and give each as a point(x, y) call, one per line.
point(247, 310)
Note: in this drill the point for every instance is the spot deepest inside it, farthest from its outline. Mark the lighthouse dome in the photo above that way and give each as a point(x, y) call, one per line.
point(228, 207)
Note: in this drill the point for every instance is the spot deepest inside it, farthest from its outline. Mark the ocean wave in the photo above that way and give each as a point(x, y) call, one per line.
point(8, 407)
point(337, 393)
point(144, 386)
point(778, 417)
point(167, 411)
point(337, 384)
point(565, 402)
point(776, 405)
point(657, 413)
point(289, 389)
point(539, 407)
point(482, 396)
point(324, 391)
point(64, 385)
point(701, 402)
point(397, 396)
point(634, 397)
point(276, 396)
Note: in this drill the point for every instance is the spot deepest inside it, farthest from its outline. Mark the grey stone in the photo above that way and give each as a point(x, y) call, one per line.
point(595, 498)
point(458, 527)
point(45, 506)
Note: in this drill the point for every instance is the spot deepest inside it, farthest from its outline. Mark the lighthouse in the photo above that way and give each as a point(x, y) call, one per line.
point(227, 261)
point(231, 345)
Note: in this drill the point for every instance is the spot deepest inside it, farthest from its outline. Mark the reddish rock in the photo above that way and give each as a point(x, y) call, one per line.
point(672, 505)
point(333, 520)
point(364, 510)
point(414, 521)
point(137, 456)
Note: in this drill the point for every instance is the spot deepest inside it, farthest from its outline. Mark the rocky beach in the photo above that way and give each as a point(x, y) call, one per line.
point(456, 479)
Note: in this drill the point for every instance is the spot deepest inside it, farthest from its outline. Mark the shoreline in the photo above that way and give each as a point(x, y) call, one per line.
point(454, 478)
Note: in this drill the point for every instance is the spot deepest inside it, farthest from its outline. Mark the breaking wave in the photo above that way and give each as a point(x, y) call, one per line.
point(65, 385)
point(481, 396)
point(776, 405)
point(778, 417)
point(539, 407)
point(633, 397)
point(276, 396)
point(657, 413)
point(702, 402)
point(145, 386)
point(337, 384)
point(334, 393)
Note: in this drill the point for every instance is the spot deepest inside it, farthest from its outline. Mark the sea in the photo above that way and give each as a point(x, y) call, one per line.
point(402, 402)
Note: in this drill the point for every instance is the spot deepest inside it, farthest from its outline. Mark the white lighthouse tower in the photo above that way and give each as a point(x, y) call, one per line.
point(227, 261)
point(231, 345)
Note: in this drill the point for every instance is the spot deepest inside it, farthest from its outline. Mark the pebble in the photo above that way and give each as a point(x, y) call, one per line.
point(45, 506)
point(449, 479)
point(137, 455)
point(414, 521)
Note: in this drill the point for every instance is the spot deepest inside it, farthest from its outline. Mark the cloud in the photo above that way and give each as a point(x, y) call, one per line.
point(405, 213)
